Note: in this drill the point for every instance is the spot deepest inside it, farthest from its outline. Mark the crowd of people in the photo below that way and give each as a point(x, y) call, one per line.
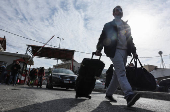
point(3, 74)
point(8, 77)
point(35, 77)
point(12, 76)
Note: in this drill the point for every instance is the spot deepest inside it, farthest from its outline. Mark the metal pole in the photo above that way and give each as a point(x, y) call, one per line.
point(60, 40)
point(59, 46)
point(72, 63)
point(162, 62)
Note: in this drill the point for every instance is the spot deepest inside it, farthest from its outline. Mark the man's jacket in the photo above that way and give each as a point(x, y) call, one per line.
point(109, 37)
point(41, 73)
point(15, 69)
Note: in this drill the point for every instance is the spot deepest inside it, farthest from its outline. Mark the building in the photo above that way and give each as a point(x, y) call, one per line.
point(68, 64)
point(7, 58)
point(3, 44)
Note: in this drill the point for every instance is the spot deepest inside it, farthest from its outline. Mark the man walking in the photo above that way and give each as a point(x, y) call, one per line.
point(118, 44)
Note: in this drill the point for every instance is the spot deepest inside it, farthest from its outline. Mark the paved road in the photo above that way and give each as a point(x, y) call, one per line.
point(22, 98)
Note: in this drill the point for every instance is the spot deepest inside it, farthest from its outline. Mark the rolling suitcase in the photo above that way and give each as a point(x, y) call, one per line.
point(90, 69)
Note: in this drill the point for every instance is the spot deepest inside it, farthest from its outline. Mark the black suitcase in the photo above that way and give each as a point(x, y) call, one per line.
point(139, 78)
point(89, 70)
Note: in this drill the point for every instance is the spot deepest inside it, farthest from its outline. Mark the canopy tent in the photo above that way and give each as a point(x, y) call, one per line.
point(48, 52)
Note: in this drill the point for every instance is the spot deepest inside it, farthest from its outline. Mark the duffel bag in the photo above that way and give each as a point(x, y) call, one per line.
point(139, 78)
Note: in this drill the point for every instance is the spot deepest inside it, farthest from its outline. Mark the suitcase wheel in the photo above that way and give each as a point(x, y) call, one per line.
point(76, 96)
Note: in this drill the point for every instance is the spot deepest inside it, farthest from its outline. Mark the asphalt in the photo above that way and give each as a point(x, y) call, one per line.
point(144, 94)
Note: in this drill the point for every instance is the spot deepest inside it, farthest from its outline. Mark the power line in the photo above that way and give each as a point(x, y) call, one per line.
point(26, 38)
point(35, 40)
point(56, 46)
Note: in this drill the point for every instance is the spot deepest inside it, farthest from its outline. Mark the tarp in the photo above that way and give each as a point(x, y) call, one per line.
point(49, 52)
point(161, 73)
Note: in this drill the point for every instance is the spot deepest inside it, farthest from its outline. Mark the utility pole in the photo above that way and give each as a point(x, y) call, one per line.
point(59, 45)
point(160, 53)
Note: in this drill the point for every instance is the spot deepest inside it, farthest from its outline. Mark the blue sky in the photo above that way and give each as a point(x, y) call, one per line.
point(80, 23)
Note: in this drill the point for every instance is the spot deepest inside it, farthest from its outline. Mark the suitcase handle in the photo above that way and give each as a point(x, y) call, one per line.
point(93, 53)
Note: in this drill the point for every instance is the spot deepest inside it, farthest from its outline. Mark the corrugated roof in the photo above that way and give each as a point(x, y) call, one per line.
point(1, 38)
point(3, 43)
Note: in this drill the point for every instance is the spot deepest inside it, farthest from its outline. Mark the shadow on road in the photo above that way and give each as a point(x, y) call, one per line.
point(106, 106)
point(59, 105)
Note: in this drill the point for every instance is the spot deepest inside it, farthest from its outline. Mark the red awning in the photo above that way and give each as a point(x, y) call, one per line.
point(49, 52)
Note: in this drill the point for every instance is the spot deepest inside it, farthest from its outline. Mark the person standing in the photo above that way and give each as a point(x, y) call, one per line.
point(34, 77)
point(3, 74)
point(118, 44)
point(14, 73)
point(109, 74)
point(41, 73)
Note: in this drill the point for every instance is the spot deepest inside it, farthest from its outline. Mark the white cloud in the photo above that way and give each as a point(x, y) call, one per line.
point(80, 23)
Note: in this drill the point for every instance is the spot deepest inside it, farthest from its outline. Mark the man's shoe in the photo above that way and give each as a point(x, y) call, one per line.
point(110, 98)
point(132, 99)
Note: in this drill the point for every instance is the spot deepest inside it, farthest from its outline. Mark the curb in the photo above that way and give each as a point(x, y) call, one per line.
point(144, 94)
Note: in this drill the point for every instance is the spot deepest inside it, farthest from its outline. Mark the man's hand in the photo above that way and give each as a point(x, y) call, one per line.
point(98, 53)
point(135, 56)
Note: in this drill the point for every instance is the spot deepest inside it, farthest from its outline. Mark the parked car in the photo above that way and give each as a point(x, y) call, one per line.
point(99, 85)
point(164, 85)
point(61, 77)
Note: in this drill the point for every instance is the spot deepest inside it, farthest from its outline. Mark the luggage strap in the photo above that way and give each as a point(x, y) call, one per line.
point(135, 61)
